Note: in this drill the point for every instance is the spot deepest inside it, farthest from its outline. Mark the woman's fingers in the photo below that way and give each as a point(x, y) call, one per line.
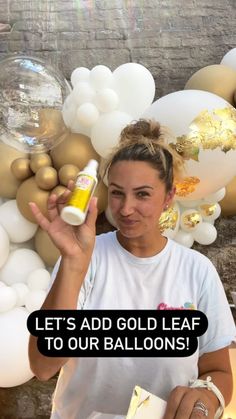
point(92, 213)
point(39, 217)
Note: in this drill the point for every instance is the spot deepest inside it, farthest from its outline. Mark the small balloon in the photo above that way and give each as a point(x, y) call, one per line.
point(4, 245)
point(106, 100)
point(30, 192)
point(184, 238)
point(46, 178)
point(87, 114)
point(82, 93)
point(79, 74)
point(205, 233)
point(35, 299)
point(58, 190)
point(21, 168)
point(40, 160)
point(8, 299)
point(21, 292)
point(209, 211)
point(38, 280)
point(67, 172)
point(101, 77)
point(190, 219)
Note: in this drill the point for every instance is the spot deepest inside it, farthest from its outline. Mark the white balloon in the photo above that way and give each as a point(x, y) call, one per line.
point(184, 238)
point(38, 280)
point(109, 217)
point(106, 100)
point(8, 298)
point(4, 246)
point(101, 77)
point(14, 338)
point(206, 233)
point(79, 74)
point(190, 220)
point(229, 59)
point(2, 284)
point(18, 228)
point(216, 196)
point(35, 299)
point(69, 110)
point(87, 114)
point(106, 132)
point(83, 93)
point(208, 166)
point(19, 265)
point(209, 211)
point(29, 244)
point(189, 204)
point(21, 291)
point(135, 87)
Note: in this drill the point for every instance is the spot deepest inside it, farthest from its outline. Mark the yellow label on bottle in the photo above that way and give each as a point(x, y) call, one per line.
point(82, 193)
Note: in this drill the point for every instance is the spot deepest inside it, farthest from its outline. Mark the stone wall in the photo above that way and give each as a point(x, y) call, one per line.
point(172, 38)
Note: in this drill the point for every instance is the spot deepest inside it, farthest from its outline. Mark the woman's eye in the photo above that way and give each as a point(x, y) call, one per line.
point(142, 194)
point(115, 192)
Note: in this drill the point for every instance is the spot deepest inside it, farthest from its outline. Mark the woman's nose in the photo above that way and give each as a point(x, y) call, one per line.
point(127, 206)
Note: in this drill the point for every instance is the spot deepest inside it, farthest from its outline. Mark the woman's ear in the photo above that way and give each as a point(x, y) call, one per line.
point(169, 198)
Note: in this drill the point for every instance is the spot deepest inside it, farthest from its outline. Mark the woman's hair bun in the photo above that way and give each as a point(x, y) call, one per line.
point(142, 128)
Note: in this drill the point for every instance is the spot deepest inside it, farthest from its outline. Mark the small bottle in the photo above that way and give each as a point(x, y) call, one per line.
point(75, 211)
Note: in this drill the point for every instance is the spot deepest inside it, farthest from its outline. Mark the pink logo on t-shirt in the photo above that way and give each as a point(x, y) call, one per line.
point(186, 306)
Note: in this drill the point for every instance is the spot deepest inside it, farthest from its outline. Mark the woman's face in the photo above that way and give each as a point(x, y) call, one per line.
point(137, 197)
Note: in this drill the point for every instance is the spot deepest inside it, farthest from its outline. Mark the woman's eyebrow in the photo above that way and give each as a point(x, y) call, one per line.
point(135, 189)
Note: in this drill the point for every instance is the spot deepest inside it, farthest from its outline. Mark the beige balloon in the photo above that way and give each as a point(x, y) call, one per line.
point(8, 184)
point(218, 79)
point(30, 192)
point(76, 149)
point(67, 172)
point(40, 160)
point(228, 203)
point(58, 190)
point(46, 178)
point(21, 168)
point(45, 248)
point(101, 193)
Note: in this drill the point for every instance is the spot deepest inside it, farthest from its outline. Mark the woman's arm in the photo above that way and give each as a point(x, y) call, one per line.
point(182, 399)
point(76, 247)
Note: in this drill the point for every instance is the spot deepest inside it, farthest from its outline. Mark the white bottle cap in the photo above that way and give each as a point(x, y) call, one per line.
point(91, 167)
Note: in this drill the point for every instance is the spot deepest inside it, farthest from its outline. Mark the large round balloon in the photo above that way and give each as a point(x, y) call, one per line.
point(45, 248)
point(217, 78)
point(9, 183)
point(229, 59)
point(30, 192)
point(14, 337)
point(31, 98)
point(205, 126)
point(76, 149)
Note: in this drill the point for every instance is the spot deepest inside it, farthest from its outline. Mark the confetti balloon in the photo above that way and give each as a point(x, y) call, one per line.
point(31, 98)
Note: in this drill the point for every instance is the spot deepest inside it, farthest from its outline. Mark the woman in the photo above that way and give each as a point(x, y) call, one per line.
point(136, 267)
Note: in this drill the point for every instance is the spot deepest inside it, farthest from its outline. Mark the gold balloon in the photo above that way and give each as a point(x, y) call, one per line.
point(102, 194)
point(30, 192)
point(67, 172)
point(76, 149)
point(46, 178)
point(21, 168)
point(218, 79)
point(8, 182)
point(58, 190)
point(228, 203)
point(40, 160)
point(45, 248)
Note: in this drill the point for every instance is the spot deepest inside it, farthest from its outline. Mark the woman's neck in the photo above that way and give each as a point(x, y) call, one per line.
point(142, 246)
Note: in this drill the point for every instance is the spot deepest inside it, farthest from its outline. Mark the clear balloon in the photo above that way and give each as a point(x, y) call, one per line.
point(31, 98)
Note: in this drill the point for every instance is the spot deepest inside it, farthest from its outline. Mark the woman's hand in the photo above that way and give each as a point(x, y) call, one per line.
point(70, 240)
point(190, 403)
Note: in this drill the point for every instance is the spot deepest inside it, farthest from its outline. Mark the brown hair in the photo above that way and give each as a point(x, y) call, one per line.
point(146, 140)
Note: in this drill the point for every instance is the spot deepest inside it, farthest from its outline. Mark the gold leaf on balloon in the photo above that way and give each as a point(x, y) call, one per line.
point(207, 209)
point(208, 131)
point(168, 219)
point(191, 220)
point(186, 186)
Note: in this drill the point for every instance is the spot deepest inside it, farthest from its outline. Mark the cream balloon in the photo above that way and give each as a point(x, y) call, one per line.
point(82, 93)
point(14, 338)
point(184, 238)
point(4, 246)
point(100, 77)
point(19, 265)
point(8, 298)
point(106, 100)
point(135, 78)
point(87, 114)
point(18, 228)
point(79, 74)
point(205, 233)
point(38, 280)
point(209, 211)
point(205, 127)
point(217, 196)
point(21, 292)
point(190, 220)
point(229, 59)
point(35, 299)
point(106, 132)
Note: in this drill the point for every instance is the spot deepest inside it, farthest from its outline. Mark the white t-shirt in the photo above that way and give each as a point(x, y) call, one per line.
point(176, 277)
